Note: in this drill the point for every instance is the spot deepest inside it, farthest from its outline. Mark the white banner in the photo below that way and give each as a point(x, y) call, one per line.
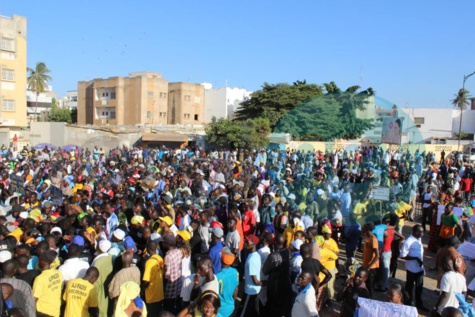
point(375, 308)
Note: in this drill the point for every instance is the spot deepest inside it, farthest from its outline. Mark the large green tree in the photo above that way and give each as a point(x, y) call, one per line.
point(461, 102)
point(226, 133)
point(321, 114)
point(38, 79)
point(274, 100)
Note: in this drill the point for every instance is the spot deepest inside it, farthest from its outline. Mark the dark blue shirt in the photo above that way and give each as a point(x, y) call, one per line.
point(215, 255)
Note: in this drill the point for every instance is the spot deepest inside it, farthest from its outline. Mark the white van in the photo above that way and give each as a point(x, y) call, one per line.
point(469, 152)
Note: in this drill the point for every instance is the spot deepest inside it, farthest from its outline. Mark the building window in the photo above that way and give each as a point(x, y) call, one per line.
point(187, 116)
point(187, 97)
point(74, 99)
point(105, 94)
point(150, 94)
point(113, 95)
point(163, 114)
point(112, 114)
point(418, 120)
point(163, 95)
point(8, 74)
point(8, 105)
point(7, 44)
point(196, 117)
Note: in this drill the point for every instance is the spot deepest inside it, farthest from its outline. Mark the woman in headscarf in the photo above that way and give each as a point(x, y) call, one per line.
point(129, 302)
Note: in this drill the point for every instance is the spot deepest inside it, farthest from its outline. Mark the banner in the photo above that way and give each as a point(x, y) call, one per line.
point(375, 308)
point(17, 184)
point(56, 195)
point(392, 130)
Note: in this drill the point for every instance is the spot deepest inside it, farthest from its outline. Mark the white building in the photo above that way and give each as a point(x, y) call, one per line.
point(37, 104)
point(222, 102)
point(70, 101)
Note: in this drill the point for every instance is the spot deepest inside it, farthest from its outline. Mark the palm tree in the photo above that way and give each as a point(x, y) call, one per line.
point(460, 102)
point(38, 79)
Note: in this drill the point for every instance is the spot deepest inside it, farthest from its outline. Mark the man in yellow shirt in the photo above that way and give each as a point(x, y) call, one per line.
point(294, 226)
point(47, 286)
point(152, 281)
point(81, 295)
point(328, 256)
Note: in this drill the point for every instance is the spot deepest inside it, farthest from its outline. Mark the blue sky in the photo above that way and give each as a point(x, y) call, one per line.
point(413, 53)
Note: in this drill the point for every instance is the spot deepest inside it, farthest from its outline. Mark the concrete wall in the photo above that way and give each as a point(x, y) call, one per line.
point(88, 138)
point(468, 121)
point(47, 132)
point(223, 102)
point(437, 124)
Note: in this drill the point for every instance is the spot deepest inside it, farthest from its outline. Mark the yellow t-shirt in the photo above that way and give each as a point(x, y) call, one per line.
point(401, 210)
point(327, 258)
point(47, 289)
point(359, 209)
point(153, 273)
point(331, 245)
point(289, 233)
point(17, 233)
point(80, 295)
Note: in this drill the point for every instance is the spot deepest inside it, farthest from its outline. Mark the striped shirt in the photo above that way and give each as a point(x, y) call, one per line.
point(25, 289)
point(128, 274)
point(173, 273)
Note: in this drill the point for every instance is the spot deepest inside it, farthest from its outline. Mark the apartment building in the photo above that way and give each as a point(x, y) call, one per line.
point(223, 102)
point(13, 71)
point(140, 98)
point(185, 103)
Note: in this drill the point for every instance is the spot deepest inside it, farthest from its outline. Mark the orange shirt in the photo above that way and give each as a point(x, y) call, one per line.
point(241, 233)
point(370, 243)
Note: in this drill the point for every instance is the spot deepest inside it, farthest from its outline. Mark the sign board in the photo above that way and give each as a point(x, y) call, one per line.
point(17, 184)
point(56, 195)
point(376, 308)
point(392, 130)
point(381, 193)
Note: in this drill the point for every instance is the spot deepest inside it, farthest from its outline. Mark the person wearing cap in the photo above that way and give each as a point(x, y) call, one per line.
point(74, 267)
point(117, 243)
point(48, 286)
point(81, 296)
point(103, 262)
point(228, 281)
point(165, 224)
point(252, 274)
point(215, 248)
point(152, 280)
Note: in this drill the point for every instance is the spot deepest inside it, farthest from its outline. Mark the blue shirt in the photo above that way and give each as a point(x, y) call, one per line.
point(228, 280)
point(215, 255)
point(252, 267)
point(379, 233)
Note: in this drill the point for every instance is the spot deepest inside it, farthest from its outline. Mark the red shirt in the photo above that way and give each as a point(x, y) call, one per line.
point(466, 184)
point(248, 221)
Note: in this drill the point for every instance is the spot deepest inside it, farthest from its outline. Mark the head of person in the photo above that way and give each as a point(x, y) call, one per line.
point(127, 258)
point(368, 228)
point(250, 242)
point(417, 231)
point(232, 224)
point(447, 264)
point(10, 268)
point(453, 242)
point(451, 312)
point(306, 251)
point(92, 274)
point(227, 257)
point(304, 279)
point(312, 232)
point(205, 267)
point(396, 294)
point(449, 208)
point(209, 304)
point(46, 258)
point(361, 276)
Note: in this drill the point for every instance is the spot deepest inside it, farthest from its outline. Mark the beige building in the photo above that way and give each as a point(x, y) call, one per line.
point(13, 71)
point(185, 103)
point(140, 98)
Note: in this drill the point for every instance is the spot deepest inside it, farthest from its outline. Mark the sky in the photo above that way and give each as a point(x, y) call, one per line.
point(412, 53)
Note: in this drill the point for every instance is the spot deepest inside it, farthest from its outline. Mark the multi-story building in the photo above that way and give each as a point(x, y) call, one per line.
point(140, 98)
point(36, 104)
point(13, 71)
point(223, 102)
point(185, 103)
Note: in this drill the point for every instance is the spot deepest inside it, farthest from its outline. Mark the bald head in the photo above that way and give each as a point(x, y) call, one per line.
point(10, 268)
point(127, 258)
point(92, 274)
point(451, 312)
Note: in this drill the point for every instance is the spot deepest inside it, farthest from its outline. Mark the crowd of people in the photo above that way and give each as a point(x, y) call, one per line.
point(189, 232)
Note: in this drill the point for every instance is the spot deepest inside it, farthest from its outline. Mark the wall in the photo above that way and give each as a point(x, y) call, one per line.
point(437, 124)
point(348, 146)
point(223, 102)
point(468, 121)
point(47, 132)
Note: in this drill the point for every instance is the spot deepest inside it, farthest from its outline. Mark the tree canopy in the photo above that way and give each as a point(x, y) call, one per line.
point(274, 100)
point(309, 111)
point(226, 133)
point(57, 114)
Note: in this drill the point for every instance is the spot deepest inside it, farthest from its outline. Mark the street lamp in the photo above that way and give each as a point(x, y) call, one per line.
point(465, 77)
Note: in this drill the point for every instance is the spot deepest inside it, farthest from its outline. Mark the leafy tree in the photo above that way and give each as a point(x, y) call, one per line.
point(328, 116)
point(38, 79)
point(226, 133)
point(274, 100)
point(461, 102)
point(58, 114)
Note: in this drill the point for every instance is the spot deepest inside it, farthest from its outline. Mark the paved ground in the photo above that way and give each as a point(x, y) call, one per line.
point(429, 295)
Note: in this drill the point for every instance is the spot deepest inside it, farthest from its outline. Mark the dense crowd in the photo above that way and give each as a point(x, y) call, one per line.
point(186, 232)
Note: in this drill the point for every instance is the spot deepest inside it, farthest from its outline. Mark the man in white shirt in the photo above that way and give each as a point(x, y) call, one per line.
point(452, 282)
point(73, 267)
point(413, 252)
point(305, 304)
